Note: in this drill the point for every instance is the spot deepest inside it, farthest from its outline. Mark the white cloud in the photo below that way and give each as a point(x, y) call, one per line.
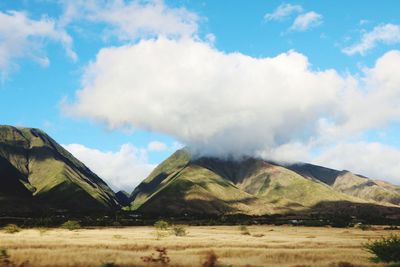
point(216, 102)
point(373, 159)
point(23, 37)
point(306, 21)
point(291, 152)
point(386, 34)
point(130, 20)
point(156, 146)
point(283, 11)
point(370, 101)
point(232, 104)
point(123, 169)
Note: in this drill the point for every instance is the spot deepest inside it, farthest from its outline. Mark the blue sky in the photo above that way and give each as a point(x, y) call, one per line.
point(52, 49)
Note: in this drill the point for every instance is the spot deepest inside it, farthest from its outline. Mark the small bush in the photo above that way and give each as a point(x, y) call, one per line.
point(161, 258)
point(161, 225)
point(385, 249)
point(11, 228)
point(244, 230)
point(179, 230)
point(4, 258)
point(71, 225)
point(364, 227)
point(108, 264)
point(211, 259)
point(258, 235)
point(161, 234)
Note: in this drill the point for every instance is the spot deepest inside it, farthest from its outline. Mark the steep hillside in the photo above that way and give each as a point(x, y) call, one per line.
point(351, 184)
point(184, 184)
point(33, 166)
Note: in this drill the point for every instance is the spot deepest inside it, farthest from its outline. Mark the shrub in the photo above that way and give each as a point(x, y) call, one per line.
point(161, 229)
point(161, 225)
point(179, 230)
point(4, 258)
point(211, 259)
point(258, 235)
point(108, 264)
point(71, 225)
point(364, 227)
point(11, 228)
point(244, 230)
point(6, 262)
point(160, 234)
point(161, 258)
point(385, 249)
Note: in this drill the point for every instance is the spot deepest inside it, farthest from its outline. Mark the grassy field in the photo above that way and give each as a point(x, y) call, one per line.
point(264, 246)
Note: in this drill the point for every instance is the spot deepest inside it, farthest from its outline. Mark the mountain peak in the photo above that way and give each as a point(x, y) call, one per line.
point(36, 163)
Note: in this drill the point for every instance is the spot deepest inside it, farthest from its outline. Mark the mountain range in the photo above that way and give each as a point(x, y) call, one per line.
point(37, 174)
point(204, 185)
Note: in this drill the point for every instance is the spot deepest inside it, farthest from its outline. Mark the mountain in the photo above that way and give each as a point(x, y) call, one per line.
point(37, 174)
point(123, 198)
point(205, 185)
point(351, 184)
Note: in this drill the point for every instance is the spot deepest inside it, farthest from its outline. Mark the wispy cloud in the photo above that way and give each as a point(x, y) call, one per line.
point(156, 146)
point(303, 21)
point(131, 20)
point(386, 34)
point(306, 21)
point(283, 11)
point(22, 37)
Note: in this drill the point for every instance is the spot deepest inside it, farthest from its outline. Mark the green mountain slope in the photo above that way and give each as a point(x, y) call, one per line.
point(351, 184)
point(33, 165)
point(182, 184)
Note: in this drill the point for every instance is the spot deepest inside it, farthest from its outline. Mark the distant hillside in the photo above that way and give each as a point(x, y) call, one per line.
point(36, 173)
point(182, 184)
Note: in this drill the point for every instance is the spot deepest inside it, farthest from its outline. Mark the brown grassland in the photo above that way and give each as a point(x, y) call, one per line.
point(264, 246)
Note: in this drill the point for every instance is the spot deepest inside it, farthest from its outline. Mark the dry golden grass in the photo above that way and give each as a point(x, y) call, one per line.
point(266, 246)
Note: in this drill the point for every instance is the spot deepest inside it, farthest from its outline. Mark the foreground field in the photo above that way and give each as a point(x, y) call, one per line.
point(265, 246)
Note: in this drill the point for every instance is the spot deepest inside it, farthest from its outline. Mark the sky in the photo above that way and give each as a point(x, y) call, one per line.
point(123, 84)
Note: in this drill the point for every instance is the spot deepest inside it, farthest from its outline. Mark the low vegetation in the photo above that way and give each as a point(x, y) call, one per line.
point(161, 225)
point(4, 258)
point(11, 228)
point(210, 259)
point(244, 230)
point(385, 249)
point(161, 257)
point(179, 230)
point(71, 225)
point(364, 227)
point(278, 246)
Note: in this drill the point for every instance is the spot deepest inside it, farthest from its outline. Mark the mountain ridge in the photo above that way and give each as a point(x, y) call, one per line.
point(52, 176)
point(186, 184)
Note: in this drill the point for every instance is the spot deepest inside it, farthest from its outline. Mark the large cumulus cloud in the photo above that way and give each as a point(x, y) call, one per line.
point(231, 104)
point(216, 102)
